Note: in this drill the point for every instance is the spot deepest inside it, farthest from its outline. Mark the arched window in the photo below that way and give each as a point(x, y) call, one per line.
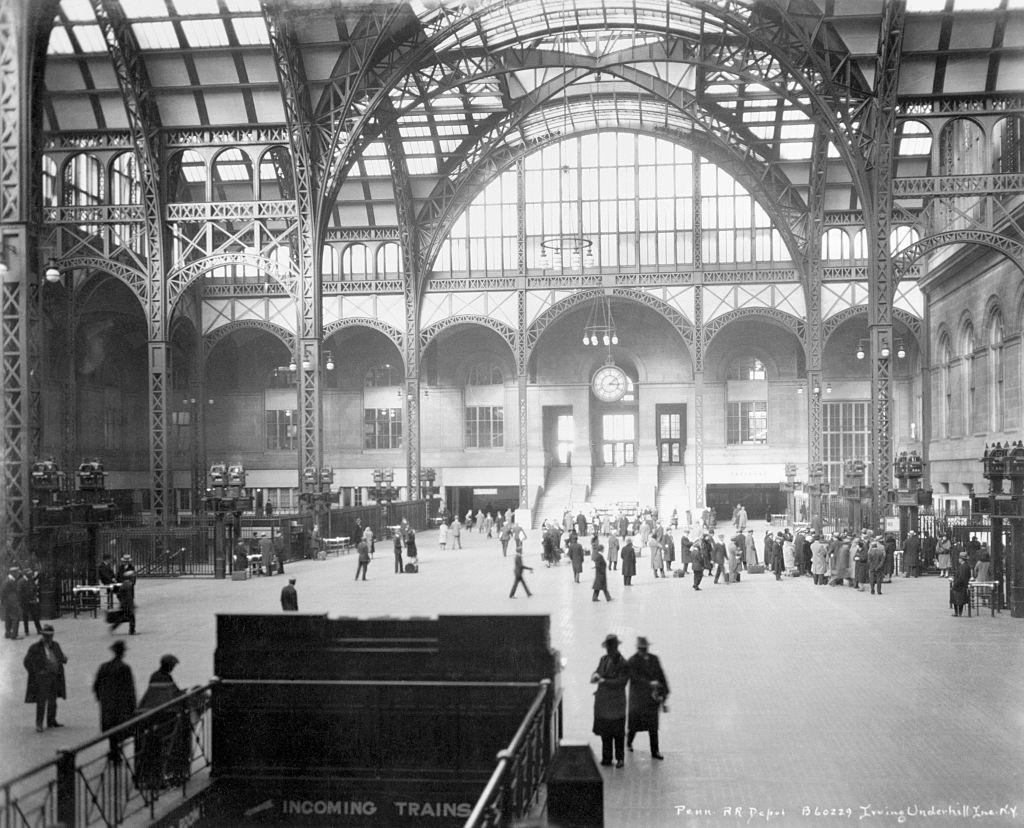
point(946, 359)
point(485, 373)
point(83, 181)
point(124, 180)
point(276, 175)
point(902, 237)
point(355, 263)
point(330, 264)
point(389, 261)
point(962, 151)
point(969, 345)
point(747, 368)
point(382, 375)
point(1008, 145)
point(484, 416)
point(49, 182)
point(232, 176)
point(997, 395)
point(860, 245)
point(835, 245)
point(186, 177)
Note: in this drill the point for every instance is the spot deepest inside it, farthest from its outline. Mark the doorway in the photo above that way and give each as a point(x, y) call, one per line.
point(670, 429)
point(559, 435)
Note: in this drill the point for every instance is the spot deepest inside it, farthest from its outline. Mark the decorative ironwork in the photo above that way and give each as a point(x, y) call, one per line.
point(795, 325)
point(214, 337)
point(364, 286)
point(390, 331)
point(191, 138)
point(506, 332)
point(957, 185)
point(361, 234)
point(906, 258)
point(813, 344)
point(829, 326)
point(269, 210)
point(179, 279)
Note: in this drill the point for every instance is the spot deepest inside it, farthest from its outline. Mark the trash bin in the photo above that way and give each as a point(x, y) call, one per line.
point(575, 789)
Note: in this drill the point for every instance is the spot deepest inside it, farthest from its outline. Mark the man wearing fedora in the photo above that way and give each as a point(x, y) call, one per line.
point(45, 662)
point(959, 589)
point(114, 688)
point(289, 597)
point(648, 689)
point(10, 600)
point(611, 677)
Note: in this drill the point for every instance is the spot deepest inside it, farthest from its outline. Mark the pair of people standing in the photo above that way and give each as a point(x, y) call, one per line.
point(648, 689)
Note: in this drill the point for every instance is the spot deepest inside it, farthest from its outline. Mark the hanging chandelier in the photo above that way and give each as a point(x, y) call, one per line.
point(600, 327)
point(571, 250)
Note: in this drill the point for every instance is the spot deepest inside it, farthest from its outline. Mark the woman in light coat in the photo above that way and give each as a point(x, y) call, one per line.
point(657, 558)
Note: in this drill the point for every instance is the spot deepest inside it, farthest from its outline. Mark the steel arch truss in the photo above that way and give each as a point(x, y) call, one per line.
point(506, 332)
point(791, 323)
point(179, 279)
point(214, 338)
point(544, 321)
point(776, 51)
point(907, 257)
point(830, 325)
point(390, 331)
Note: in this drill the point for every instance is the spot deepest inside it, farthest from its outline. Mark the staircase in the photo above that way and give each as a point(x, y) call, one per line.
point(613, 485)
point(557, 496)
point(673, 493)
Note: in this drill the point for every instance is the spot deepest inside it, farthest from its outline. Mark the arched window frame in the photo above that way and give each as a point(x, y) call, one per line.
point(997, 395)
point(389, 261)
point(747, 368)
point(232, 168)
point(970, 378)
point(946, 362)
point(836, 245)
point(355, 263)
point(330, 263)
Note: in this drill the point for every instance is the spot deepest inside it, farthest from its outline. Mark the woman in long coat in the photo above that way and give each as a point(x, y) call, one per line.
point(841, 564)
point(576, 559)
point(613, 551)
point(750, 549)
point(684, 552)
point(657, 557)
point(628, 555)
point(611, 676)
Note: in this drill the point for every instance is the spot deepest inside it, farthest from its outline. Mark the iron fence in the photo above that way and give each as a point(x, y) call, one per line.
point(512, 790)
point(151, 763)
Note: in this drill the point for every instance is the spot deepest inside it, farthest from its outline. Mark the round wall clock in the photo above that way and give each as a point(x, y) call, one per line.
point(609, 383)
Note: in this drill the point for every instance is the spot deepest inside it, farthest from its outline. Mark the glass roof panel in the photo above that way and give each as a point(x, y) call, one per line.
point(78, 11)
point(156, 35)
point(250, 31)
point(134, 9)
point(187, 8)
point(242, 5)
point(90, 38)
point(60, 43)
point(205, 32)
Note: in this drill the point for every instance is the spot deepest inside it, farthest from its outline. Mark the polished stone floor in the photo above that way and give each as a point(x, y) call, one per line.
point(791, 704)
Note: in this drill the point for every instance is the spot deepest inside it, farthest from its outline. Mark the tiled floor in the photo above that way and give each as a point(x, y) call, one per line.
point(787, 699)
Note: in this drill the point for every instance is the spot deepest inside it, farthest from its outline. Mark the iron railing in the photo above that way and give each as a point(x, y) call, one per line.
point(151, 762)
point(512, 791)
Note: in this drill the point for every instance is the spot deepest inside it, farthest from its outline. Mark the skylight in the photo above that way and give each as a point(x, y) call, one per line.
point(250, 31)
point(90, 38)
point(205, 32)
point(187, 8)
point(134, 9)
point(78, 11)
point(156, 35)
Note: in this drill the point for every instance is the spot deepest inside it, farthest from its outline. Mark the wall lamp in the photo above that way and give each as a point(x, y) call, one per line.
point(816, 389)
point(52, 272)
point(884, 351)
point(4, 268)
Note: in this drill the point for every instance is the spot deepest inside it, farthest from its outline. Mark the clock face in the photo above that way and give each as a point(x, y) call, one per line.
point(609, 383)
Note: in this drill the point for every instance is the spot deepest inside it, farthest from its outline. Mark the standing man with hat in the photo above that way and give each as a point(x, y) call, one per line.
point(45, 662)
point(266, 547)
point(648, 689)
point(10, 600)
point(289, 597)
point(114, 688)
point(611, 676)
point(911, 555)
point(959, 588)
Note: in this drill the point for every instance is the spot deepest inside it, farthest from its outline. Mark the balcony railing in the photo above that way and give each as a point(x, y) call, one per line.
point(150, 763)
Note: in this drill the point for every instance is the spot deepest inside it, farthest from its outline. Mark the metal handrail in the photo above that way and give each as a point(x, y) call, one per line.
point(80, 787)
point(499, 802)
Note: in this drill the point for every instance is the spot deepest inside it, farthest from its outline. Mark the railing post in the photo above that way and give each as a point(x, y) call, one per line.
point(548, 712)
point(66, 787)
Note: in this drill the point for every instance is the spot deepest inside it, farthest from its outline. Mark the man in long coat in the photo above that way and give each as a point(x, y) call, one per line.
point(115, 691)
point(576, 559)
point(648, 689)
point(45, 662)
point(289, 597)
point(911, 550)
point(628, 555)
point(611, 677)
point(600, 573)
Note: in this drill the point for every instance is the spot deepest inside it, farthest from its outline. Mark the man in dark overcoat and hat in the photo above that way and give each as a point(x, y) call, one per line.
point(648, 689)
point(611, 677)
point(114, 687)
point(45, 662)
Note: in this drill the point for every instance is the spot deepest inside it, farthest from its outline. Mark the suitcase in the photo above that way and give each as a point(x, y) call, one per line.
point(755, 569)
point(412, 567)
point(116, 617)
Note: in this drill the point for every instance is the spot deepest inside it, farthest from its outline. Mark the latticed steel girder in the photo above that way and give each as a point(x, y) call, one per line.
point(387, 48)
point(145, 128)
point(957, 185)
